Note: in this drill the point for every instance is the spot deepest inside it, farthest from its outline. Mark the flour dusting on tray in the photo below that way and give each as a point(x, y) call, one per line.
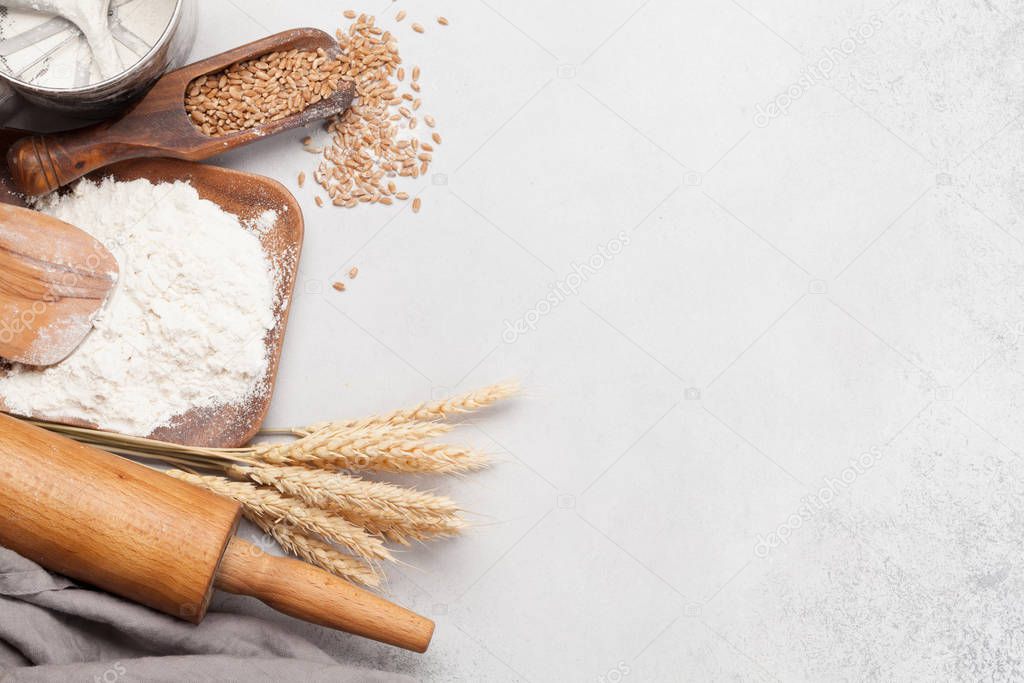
point(185, 326)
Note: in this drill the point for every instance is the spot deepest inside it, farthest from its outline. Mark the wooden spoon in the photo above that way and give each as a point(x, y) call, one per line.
point(159, 126)
point(54, 278)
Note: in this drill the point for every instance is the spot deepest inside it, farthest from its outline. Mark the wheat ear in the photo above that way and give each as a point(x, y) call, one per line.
point(316, 552)
point(274, 506)
point(377, 447)
point(337, 439)
point(401, 514)
point(425, 412)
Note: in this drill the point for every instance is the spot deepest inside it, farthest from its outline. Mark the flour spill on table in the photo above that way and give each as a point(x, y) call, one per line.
point(186, 325)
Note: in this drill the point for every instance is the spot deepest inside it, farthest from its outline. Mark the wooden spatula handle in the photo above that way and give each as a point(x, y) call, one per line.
point(40, 164)
point(307, 593)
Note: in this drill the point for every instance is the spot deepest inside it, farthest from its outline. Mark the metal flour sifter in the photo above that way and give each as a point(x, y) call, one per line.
point(51, 61)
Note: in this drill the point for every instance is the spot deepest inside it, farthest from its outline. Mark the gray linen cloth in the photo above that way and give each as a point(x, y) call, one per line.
point(52, 629)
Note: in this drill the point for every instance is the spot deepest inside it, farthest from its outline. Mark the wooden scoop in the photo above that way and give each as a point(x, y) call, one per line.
point(54, 278)
point(140, 534)
point(159, 126)
point(9, 193)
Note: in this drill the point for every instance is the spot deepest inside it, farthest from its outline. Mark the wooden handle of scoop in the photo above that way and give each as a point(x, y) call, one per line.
point(302, 591)
point(40, 164)
point(159, 126)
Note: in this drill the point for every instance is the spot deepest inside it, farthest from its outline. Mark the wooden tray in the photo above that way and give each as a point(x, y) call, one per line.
point(246, 195)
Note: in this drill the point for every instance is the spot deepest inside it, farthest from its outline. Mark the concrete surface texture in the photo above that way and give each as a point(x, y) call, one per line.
point(759, 266)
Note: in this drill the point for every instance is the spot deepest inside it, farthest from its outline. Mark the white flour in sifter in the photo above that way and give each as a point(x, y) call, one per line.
point(39, 47)
point(185, 325)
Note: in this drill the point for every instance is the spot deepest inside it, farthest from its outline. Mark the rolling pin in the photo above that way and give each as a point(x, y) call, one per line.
point(135, 532)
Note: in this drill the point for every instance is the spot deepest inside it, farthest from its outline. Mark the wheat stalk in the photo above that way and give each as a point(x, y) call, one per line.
point(294, 492)
point(424, 412)
point(148, 447)
point(389, 443)
point(310, 520)
point(399, 513)
point(376, 447)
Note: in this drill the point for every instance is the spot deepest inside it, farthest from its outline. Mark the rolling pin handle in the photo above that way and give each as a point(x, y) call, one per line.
point(305, 592)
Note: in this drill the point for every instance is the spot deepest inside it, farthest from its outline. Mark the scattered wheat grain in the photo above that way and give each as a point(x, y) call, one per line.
point(367, 150)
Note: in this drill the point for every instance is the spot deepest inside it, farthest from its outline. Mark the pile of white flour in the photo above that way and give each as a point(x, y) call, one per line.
point(185, 325)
